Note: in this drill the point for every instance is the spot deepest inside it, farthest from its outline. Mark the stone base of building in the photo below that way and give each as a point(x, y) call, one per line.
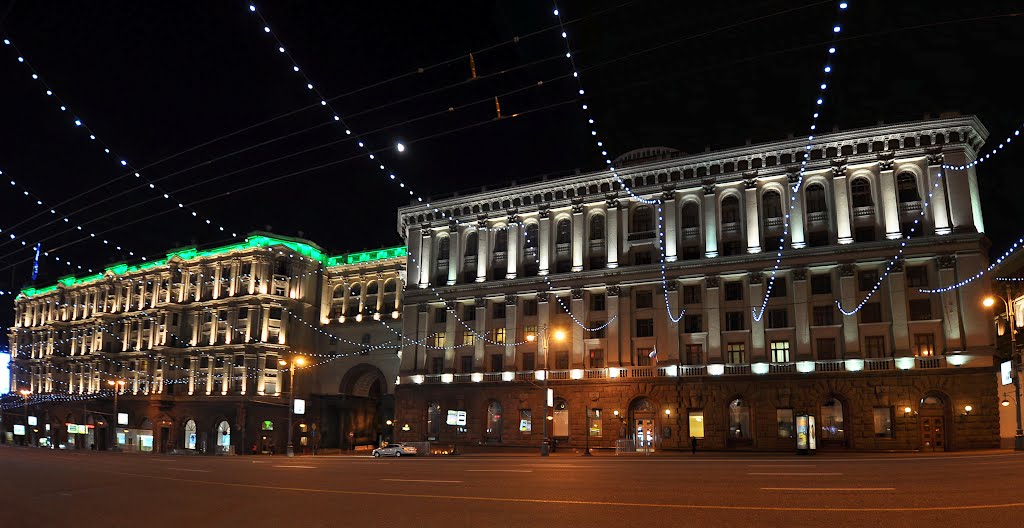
point(871, 411)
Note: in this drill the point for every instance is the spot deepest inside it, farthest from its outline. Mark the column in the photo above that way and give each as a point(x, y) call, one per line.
point(670, 213)
point(800, 319)
point(576, 305)
point(887, 193)
point(848, 294)
point(796, 214)
point(454, 262)
point(422, 331)
point(898, 305)
point(216, 282)
point(193, 365)
point(624, 326)
point(753, 219)
point(479, 361)
point(483, 241)
point(671, 341)
point(450, 331)
point(415, 241)
point(611, 242)
point(950, 302)
point(611, 305)
point(544, 243)
point(757, 348)
point(409, 347)
point(840, 194)
point(977, 323)
point(937, 194)
point(578, 240)
point(543, 317)
point(512, 251)
point(710, 222)
point(510, 332)
point(426, 258)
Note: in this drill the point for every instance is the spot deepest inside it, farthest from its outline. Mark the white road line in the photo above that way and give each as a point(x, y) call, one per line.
point(187, 469)
point(796, 474)
point(418, 480)
point(501, 470)
point(306, 467)
point(828, 489)
point(782, 465)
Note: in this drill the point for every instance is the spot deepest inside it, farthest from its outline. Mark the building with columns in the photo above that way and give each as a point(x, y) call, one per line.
point(559, 284)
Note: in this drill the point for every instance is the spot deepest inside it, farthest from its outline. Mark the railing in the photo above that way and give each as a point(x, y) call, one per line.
point(910, 207)
point(773, 222)
point(818, 217)
point(640, 235)
point(690, 233)
point(809, 367)
point(562, 248)
point(730, 227)
point(867, 210)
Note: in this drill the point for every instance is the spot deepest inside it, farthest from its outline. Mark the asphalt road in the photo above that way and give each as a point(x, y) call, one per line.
point(59, 488)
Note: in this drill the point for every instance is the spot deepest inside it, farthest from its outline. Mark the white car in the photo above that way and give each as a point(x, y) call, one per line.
point(396, 450)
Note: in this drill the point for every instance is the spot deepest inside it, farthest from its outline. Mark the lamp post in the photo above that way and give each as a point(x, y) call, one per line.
point(1015, 360)
point(25, 393)
point(559, 336)
point(297, 361)
point(118, 385)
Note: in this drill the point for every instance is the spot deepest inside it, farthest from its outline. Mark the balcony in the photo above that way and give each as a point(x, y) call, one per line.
point(819, 217)
point(865, 211)
point(910, 207)
point(730, 228)
point(773, 223)
point(691, 233)
point(641, 236)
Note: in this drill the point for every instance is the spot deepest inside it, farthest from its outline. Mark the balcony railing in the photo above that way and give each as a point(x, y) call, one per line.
point(641, 235)
point(774, 222)
point(819, 217)
point(834, 366)
point(860, 212)
point(910, 207)
point(690, 233)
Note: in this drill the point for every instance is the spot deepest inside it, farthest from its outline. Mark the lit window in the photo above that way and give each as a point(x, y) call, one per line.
point(780, 351)
point(499, 335)
point(696, 421)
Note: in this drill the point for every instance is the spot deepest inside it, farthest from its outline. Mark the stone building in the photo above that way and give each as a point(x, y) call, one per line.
point(559, 284)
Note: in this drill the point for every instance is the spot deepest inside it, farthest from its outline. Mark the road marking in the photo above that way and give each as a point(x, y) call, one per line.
point(418, 480)
point(187, 469)
point(782, 465)
point(501, 470)
point(193, 482)
point(797, 474)
point(828, 489)
point(292, 466)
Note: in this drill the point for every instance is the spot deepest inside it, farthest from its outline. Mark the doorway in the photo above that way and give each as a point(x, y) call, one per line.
point(644, 429)
point(643, 417)
point(932, 419)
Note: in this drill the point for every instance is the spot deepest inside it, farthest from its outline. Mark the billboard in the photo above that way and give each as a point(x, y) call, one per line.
point(1006, 372)
point(300, 406)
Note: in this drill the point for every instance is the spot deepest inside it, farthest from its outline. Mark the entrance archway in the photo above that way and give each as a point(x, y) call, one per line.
point(740, 431)
point(643, 415)
point(190, 434)
point(224, 437)
point(833, 423)
point(933, 420)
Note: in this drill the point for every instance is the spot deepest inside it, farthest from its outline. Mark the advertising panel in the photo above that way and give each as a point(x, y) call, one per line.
point(1006, 372)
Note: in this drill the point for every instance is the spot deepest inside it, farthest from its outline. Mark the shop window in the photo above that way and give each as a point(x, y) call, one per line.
point(739, 420)
point(883, 422)
point(695, 420)
point(784, 419)
point(832, 420)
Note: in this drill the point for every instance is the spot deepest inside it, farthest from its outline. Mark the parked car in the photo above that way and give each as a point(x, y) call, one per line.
point(396, 450)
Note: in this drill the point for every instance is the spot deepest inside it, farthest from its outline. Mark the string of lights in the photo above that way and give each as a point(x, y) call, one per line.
point(1016, 245)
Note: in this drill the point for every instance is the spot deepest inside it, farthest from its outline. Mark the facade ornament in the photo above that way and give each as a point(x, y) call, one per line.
point(793, 175)
point(577, 208)
point(453, 226)
point(577, 293)
point(671, 285)
point(750, 184)
point(510, 299)
point(838, 166)
point(479, 301)
point(423, 308)
point(886, 160)
point(613, 290)
point(481, 223)
point(755, 277)
point(544, 212)
point(542, 297)
point(751, 174)
point(713, 281)
point(846, 270)
point(935, 156)
point(668, 194)
point(896, 266)
point(946, 261)
point(799, 274)
point(709, 189)
point(513, 218)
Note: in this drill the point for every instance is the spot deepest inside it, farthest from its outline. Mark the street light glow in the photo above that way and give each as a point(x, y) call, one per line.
point(559, 335)
point(989, 301)
point(300, 361)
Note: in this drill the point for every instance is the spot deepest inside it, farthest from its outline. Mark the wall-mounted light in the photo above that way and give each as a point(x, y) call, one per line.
point(1005, 403)
point(907, 410)
point(967, 410)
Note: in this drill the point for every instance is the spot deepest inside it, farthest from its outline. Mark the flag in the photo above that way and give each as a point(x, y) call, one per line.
point(654, 353)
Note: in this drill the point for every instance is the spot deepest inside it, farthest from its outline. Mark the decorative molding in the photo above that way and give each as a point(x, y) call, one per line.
point(669, 194)
point(750, 184)
point(577, 208)
point(612, 201)
point(886, 160)
point(946, 261)
point(838, 166)
point(577, 293)
point(847, 270)
point(510, 299)
point(613, 290)
point(713, 281)
point(896, 266)
point(755, 277)
point(544, 213)
point(479, 301)
point(792, 175)
point(671, 285)
point(799, 274)
point(935, 156)
point(709, 189)
point(422, 308)
point(542, 297)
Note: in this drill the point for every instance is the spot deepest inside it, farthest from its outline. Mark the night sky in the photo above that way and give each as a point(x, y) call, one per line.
point(153, 79)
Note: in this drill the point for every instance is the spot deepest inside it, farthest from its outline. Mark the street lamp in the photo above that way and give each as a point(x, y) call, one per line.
point(559, 335)
point(1015, 360)
point(297, 361)
point(118, 385)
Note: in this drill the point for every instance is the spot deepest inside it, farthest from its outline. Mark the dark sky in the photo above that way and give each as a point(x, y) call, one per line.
point(156, 78)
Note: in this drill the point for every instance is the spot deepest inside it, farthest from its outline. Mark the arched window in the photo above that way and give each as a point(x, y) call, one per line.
point(772, 203)
point(339, 292)
point(532, 236)
point(832, 420)
point(190, 434)
point(739, 420)
point(492, 430)
point(390, 286)
point(434, 420)
point(355, 291)
point(597, 227)
point(816, 200)
point(443, 246)
point(501, 241)
point(906, 186)
point(643, 219)
point(730, 210)
point(471, 245)
point(563, 232)
point(691, 215)
point(371, 289)
point(860, 190)
point(223, 436)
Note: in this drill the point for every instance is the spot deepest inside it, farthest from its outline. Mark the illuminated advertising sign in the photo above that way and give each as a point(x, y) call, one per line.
point(802, 436)
point(811, 427)
point(33, 421)
point(122, 418)
point(73, 429)
point(19, 430)
point(456, 418)
point(1006, 372)
point(300, 406)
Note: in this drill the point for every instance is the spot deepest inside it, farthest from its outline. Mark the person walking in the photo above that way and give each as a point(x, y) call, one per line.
point(693, 445)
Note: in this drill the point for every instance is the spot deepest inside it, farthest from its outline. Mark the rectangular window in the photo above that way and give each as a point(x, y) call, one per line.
point(645, 327)
point(499, 335)
point(883, 422)
point(821, 284)
point(784, 417)
point(866, 279)
point(696, 423)
point(734, 291)
point(440, 315)
point(780, 351)
point(826, 348)
point(498, 310)
point(530, 307)
point(644, 299)
point(641, 258)
point(597, 302)
point(561, 360)
point(924, 345)
point(779, 288)
point(525, 421)
point(439, 340)
point(600, 327)
point(275, 313)
point(596, 358)
point(436, 365)
point(734, 320)
point(595, 422)
point(874, 346)
point(736, 353)
point(693, 324)
point(529, 361)
point(466, 364)
point(468, 338)
point(778, 318)
point(864, 234)
point(691, 294)
point(643, 356)
point(469, 313)
point(917, 276)
point(871, 313)
point(920, 309)
point(243, 313)
point(823, 315)
point(694, 354)
point(497, 362)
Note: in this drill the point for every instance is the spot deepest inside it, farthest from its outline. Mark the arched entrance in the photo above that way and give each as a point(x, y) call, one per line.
point(190, 435)
point(832, 423)
point(223, 436)
point(642, 427)
point(560, 419)
point(933, 417)
point(361, 415)
point(741, 434)
point(492, 427)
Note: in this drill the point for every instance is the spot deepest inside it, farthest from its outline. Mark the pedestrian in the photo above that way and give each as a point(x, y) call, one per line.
point(554, 445)
point(693, 445)
point(254, 451)
point(273, 450)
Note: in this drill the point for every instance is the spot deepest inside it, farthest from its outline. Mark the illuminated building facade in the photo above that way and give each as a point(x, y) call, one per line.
point(558, 284)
